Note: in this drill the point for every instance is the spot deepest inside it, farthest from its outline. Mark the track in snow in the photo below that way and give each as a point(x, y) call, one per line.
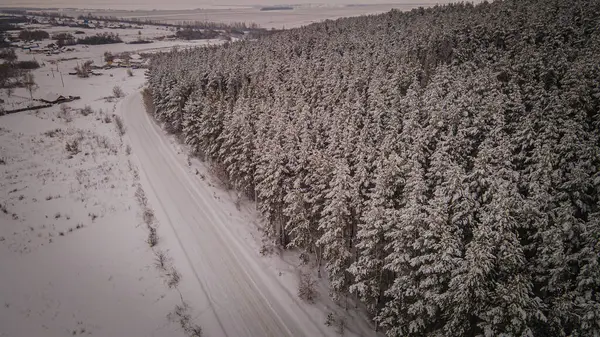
point(231, 285)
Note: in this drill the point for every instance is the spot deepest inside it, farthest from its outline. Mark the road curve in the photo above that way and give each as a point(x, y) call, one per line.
point(230, 284)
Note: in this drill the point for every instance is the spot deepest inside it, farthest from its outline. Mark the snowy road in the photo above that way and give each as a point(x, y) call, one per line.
point(234, 292)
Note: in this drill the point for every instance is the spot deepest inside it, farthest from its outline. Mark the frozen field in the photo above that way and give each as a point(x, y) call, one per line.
point(304, 12)
point(192, 4)
point(300, 15)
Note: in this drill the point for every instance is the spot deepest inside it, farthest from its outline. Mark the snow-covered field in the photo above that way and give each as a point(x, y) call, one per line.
point(298, 16)
point(304, 11)
point(73, 256)
point(74, 251)
point(191, 4)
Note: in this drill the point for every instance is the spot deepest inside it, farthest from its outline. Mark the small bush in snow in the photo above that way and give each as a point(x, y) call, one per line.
point(108, 56)
point(107, 119)
point(266, 249)
point(118, 92)
point(148, 217)
point(140, 195)
point(84, 70)
point(174, 278)
point(161, 260)
point(52, 133)
point(306, 288)
point(87, 110)
point(129, 72)
point(2, 161)
point(182, 316)
point(128, 150)
point(152, 237)
point(120, 125)
point(72, 147)
point(337, 321)
point(64, 113)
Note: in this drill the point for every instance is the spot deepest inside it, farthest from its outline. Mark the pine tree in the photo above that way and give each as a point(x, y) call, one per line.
point(334, 224)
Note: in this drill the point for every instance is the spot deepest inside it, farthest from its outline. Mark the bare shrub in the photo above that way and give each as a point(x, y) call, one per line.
point(129, 73)
point(128, 150)
point(87, 110)
point(72, 146)
point(120, 125)
point(193, 330)
point(152, 237)
point(140, 195)
point(65, 113)
point(330, 319)
point(306, 287)
point(102, 142)
point(161, 261)
point(174, 278)
point(107, 119)
point(84, 70)
point(108, 56)
point(182, 316)
point(118, 92)
point(148, 217)
point(52, 133)
point(337, 321)
point(266, 249)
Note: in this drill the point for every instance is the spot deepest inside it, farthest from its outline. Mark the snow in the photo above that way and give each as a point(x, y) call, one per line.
point(73, 252)
point(189, 4)
point(73, 259)
point(73, 255)
point(51, 97)
point(247, 294)
point(303, 13)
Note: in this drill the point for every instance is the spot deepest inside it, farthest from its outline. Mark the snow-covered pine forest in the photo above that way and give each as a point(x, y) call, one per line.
point(441, 164)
